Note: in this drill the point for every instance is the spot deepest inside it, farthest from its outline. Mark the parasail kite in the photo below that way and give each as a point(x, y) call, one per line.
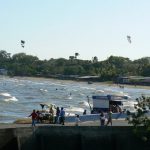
point(129, 38)
point(22, 43)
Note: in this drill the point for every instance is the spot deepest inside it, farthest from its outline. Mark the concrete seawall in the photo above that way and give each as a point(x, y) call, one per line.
point(71, 138)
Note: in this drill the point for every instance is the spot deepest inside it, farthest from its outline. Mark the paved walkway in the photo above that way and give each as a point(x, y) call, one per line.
point(88, 123)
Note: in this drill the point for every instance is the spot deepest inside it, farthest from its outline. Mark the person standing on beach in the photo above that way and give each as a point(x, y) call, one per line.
point(62, 116)
point(57, 115)
point(109, 118)
point(51, 117)
point(84, 113)
point(102, 119)
point(34, 117)
point(77, 120)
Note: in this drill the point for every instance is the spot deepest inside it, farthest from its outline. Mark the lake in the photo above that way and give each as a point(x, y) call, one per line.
point(20, 95)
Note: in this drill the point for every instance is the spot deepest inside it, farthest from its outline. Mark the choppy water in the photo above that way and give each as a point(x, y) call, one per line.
point(19, 96)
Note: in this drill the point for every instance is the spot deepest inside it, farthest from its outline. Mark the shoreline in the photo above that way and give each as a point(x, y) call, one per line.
point(108, 83)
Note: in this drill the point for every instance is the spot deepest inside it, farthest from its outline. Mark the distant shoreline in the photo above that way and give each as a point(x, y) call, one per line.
point(109, 83)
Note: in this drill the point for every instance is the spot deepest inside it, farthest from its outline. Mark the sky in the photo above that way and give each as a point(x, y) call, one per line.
point(61, 28)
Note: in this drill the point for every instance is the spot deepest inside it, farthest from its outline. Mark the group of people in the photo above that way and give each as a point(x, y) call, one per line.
point(59, 117)
point(103, 118)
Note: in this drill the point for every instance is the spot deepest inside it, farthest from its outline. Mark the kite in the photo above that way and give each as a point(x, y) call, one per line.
point(22, 43)
point(129, 38)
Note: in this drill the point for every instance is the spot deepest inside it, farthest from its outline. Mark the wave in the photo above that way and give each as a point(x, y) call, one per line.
point(43, 90)
point(84, 103)
point(68, 97)
point(98, 91)
point(7, 97)
point(88, 88)
point(5, 94)
point(74, 109)
point(11, 99)
point(57, 84)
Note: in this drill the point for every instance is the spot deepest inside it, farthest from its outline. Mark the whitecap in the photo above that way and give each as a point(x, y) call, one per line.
point(69, 114)
point(5, 94)
point(43, 90)
point(84, 103)
point(87, 88)
point(81, 94)
point(69, 97)
point(11, 99)
point(100, 91)
point(74, 109)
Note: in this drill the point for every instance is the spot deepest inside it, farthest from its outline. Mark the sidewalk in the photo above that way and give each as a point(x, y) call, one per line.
point(88, 123)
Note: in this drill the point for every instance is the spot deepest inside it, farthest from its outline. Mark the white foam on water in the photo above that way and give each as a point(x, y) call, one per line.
point(69, 97)
point(58, 84)
point(88, 88)
point(84, 103)
point(81, 94)
point(100, 91)
point(69, 114)
point(74, 109)
point(11, 99)
point(43, 90)
point(5, 94)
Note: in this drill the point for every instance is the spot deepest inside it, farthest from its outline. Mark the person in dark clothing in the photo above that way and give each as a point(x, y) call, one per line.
point(102, 119)
point(84, 113)
point(57, 115)
point(109, 118)
point(39, 116)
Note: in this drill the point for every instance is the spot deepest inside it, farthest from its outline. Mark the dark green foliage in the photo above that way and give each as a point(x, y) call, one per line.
point(141, 120)
point(27, 65)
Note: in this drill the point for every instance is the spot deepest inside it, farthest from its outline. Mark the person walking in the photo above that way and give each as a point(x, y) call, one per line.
point(102, 119)
point(77, 120)
point(62, 116)
point(57, 115)
point(33, 115)
point(109, 118)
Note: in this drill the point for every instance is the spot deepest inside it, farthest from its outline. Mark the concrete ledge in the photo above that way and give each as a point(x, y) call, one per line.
point(71, 138)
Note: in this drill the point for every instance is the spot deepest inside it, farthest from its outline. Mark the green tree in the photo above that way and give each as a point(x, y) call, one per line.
point(23, 64)
point(95, 59)
point(4, 58)
point(71, 58)
point(141, 64)
point(140, 119)
point(76, 55)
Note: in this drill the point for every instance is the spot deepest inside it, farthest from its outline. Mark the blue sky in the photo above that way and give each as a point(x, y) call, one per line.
point(60, 28)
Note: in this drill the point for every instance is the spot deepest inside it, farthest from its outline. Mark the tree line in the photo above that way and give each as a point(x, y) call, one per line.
point(21, 64)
